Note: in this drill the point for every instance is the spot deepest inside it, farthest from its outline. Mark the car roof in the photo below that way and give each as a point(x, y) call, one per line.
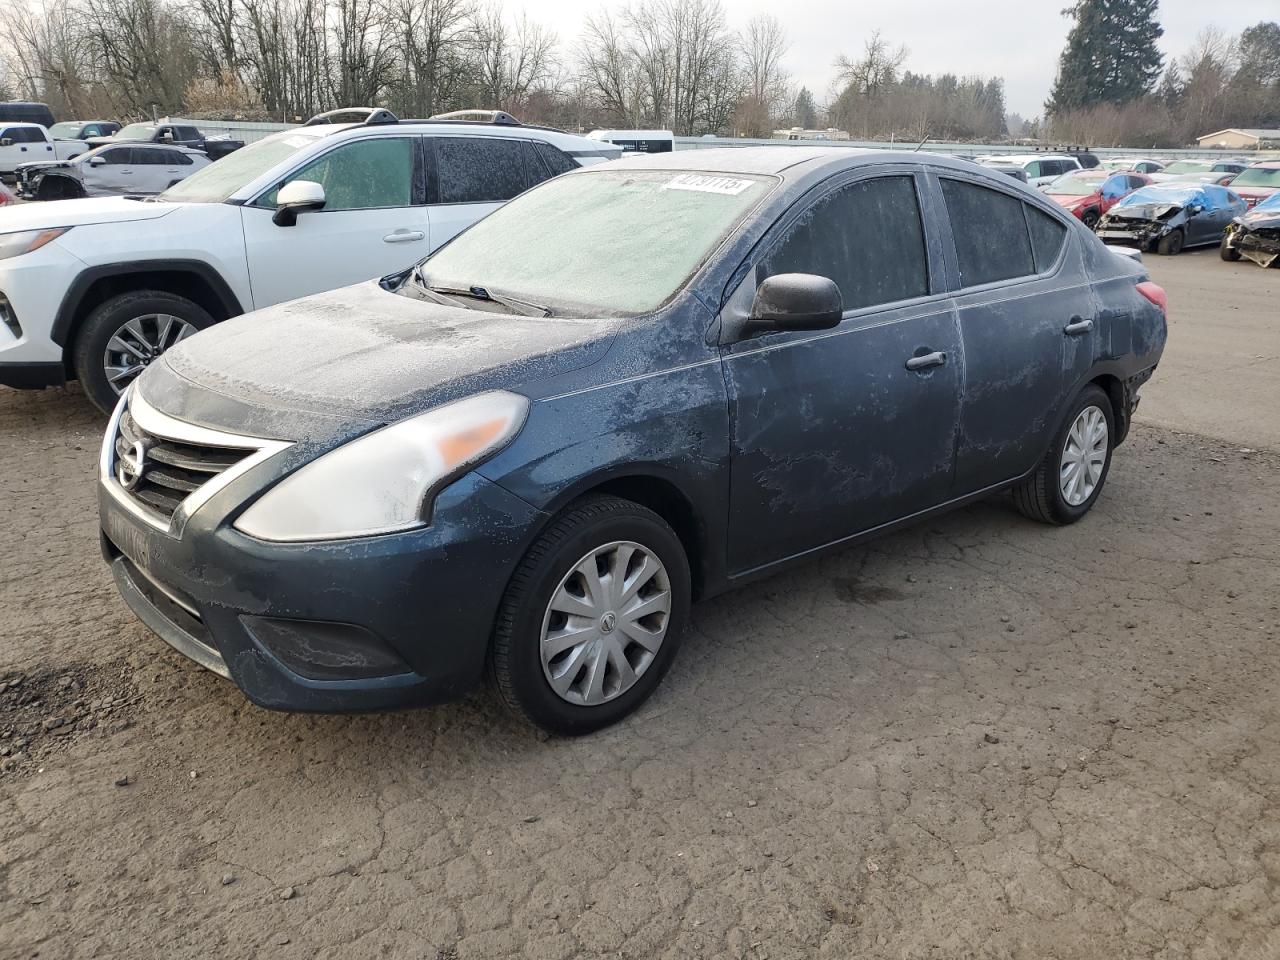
point(1267, 164)
point(20, 123)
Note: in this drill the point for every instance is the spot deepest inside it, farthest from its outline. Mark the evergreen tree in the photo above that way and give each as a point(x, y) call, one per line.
point(805, 113)
point(1111, 54)
point(1172, 86)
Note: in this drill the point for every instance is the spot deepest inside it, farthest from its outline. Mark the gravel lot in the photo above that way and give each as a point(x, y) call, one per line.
point(980, 738)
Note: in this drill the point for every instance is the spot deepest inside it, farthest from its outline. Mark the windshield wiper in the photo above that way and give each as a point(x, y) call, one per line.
point(476, 292)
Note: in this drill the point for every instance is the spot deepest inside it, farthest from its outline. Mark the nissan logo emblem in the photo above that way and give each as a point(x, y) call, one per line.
point(132, 466)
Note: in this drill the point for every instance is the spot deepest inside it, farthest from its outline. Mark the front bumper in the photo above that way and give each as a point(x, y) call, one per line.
point(417, 607)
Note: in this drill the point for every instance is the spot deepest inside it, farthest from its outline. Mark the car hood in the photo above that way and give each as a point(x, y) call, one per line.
point(1145, 211)
point(77, 213)
point(1071, 200)
point(1255, 193)
point(337, 362)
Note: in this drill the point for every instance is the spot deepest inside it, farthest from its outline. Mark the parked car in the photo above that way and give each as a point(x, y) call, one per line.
point(1040, 168)
point(1169, 217)
point(1255, 234)
point(14, 111)
point(1091, 193)
point(172, 135)
point(21, 142)
point(111, 171)
point(1220, 179)
point(1210, 171)
point(535, 448)
point(100, 287)
point(1136, 164)
point(1009, 170)
point(70, 138)
point(1258, 182)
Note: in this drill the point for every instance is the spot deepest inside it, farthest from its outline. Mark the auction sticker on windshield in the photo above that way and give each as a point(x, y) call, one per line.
point(729, 186)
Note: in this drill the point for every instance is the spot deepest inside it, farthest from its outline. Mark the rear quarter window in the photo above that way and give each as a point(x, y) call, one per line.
point(990, 233)
point(555, 160)
point(1047, 237)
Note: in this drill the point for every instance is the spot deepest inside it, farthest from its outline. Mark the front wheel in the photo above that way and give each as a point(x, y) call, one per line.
point(1090, 219)
point(1068, 481)
point(125, 334)
point(1171, 244)
point(592, 617)
point(1227, 251)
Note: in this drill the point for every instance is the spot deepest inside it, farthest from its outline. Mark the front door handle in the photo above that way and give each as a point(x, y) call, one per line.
point(404, 236)
point(935, 359)
point(1077, 326)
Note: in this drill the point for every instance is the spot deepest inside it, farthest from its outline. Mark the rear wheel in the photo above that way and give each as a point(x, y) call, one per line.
point(592, 617)
point(1227, 251)
point(125, 334)
point(1070, 478)
point(1171, 244)
point(1090, 219)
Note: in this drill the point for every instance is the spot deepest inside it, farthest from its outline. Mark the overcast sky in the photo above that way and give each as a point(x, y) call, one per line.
point(1020, 41)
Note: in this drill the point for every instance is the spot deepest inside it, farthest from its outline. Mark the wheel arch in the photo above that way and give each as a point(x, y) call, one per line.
point(661, 491)
point(192, 279)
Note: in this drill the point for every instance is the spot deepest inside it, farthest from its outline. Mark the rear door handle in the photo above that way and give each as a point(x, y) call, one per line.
point(935, 359)
point(404, 236)
point(1077, 327)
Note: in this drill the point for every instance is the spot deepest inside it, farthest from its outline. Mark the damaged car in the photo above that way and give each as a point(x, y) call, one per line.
point(1255, 235)
point(526, 455)
point(110, 171)
point(1169, 217)
point(1091, 193)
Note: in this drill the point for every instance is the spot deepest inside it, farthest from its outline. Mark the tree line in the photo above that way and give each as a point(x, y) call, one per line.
point(1115, 88)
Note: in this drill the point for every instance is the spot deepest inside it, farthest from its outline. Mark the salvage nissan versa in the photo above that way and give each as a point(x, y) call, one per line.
point(632, 386)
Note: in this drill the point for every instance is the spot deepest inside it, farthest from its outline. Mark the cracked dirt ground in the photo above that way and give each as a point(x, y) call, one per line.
point(979, 738)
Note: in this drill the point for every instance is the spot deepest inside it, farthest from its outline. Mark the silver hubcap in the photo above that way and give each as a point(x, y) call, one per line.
point(1084, 456)
point(605, 623)
point(138, 342)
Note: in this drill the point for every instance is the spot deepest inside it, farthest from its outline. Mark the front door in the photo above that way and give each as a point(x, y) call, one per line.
point(373, 223)
point(1028, 319)
point(840, 431)
point(113, 175)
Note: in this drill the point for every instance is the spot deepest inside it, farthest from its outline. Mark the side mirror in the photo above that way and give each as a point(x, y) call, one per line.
point(6, 142)
point(298, 196)
point(795, 301)
point(1195, 210)
point(97, 161)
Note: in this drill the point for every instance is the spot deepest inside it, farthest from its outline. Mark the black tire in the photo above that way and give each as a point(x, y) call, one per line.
point(1091, 218)
point(1227, 251)
point(59, 188)
point(1040, 496)
point(87, 356)
point(1170, 245)
point(515, 660)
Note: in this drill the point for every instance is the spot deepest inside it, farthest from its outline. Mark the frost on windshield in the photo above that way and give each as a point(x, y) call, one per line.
point(608, 242)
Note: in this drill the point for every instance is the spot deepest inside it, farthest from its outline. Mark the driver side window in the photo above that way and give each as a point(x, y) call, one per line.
point(364, 175)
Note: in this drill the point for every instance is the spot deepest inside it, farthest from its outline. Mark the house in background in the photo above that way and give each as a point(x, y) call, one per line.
point(1235, 139)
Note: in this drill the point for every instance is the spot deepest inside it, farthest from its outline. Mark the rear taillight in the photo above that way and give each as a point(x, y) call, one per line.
point(1155, 293)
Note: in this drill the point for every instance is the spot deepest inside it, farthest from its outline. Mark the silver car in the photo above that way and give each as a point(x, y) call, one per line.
point(110, 171)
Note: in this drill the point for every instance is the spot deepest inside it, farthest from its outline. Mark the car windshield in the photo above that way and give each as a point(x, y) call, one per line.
point(1188, 166)
point(65, 129)
point(608, 243)
point(1258, 177)
point(1074, 186)
point(218, 181)
point(137, 131)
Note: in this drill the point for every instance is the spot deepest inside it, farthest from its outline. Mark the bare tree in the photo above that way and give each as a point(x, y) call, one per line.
point(511, 58)
point(762, 45)
point(876, 69)
point(431, 37)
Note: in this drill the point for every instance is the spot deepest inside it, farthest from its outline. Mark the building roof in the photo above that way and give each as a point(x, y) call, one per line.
point(1246, 131)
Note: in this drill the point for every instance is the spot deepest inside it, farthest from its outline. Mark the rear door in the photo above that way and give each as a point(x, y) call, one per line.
point(839, 431)
point(1027, 319)
point(470, 177)
point(374, 221)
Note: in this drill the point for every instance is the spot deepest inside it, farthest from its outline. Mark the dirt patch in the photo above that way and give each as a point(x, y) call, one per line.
point(47, 710)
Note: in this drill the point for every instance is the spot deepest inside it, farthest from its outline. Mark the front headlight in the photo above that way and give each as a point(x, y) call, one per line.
point(16, 244)
point(386, 480)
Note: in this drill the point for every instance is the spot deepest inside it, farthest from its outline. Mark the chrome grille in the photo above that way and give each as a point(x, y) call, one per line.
point(163, 469)
point(172, 469)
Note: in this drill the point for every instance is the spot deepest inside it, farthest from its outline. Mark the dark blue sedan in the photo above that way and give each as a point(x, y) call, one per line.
point(633, 386)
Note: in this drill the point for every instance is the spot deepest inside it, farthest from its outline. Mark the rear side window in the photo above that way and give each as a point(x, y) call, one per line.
point(866, 236)
point(556, 160)
point(479, 169)
point(1047, 237)
point(990, 233)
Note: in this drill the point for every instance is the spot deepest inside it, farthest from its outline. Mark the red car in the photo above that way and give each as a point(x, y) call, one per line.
point(1258, 182)
point(1091, 193)
point(5, 195)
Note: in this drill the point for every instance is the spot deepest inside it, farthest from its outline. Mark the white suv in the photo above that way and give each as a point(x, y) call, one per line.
point(96, 289)
point(1040, 168)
